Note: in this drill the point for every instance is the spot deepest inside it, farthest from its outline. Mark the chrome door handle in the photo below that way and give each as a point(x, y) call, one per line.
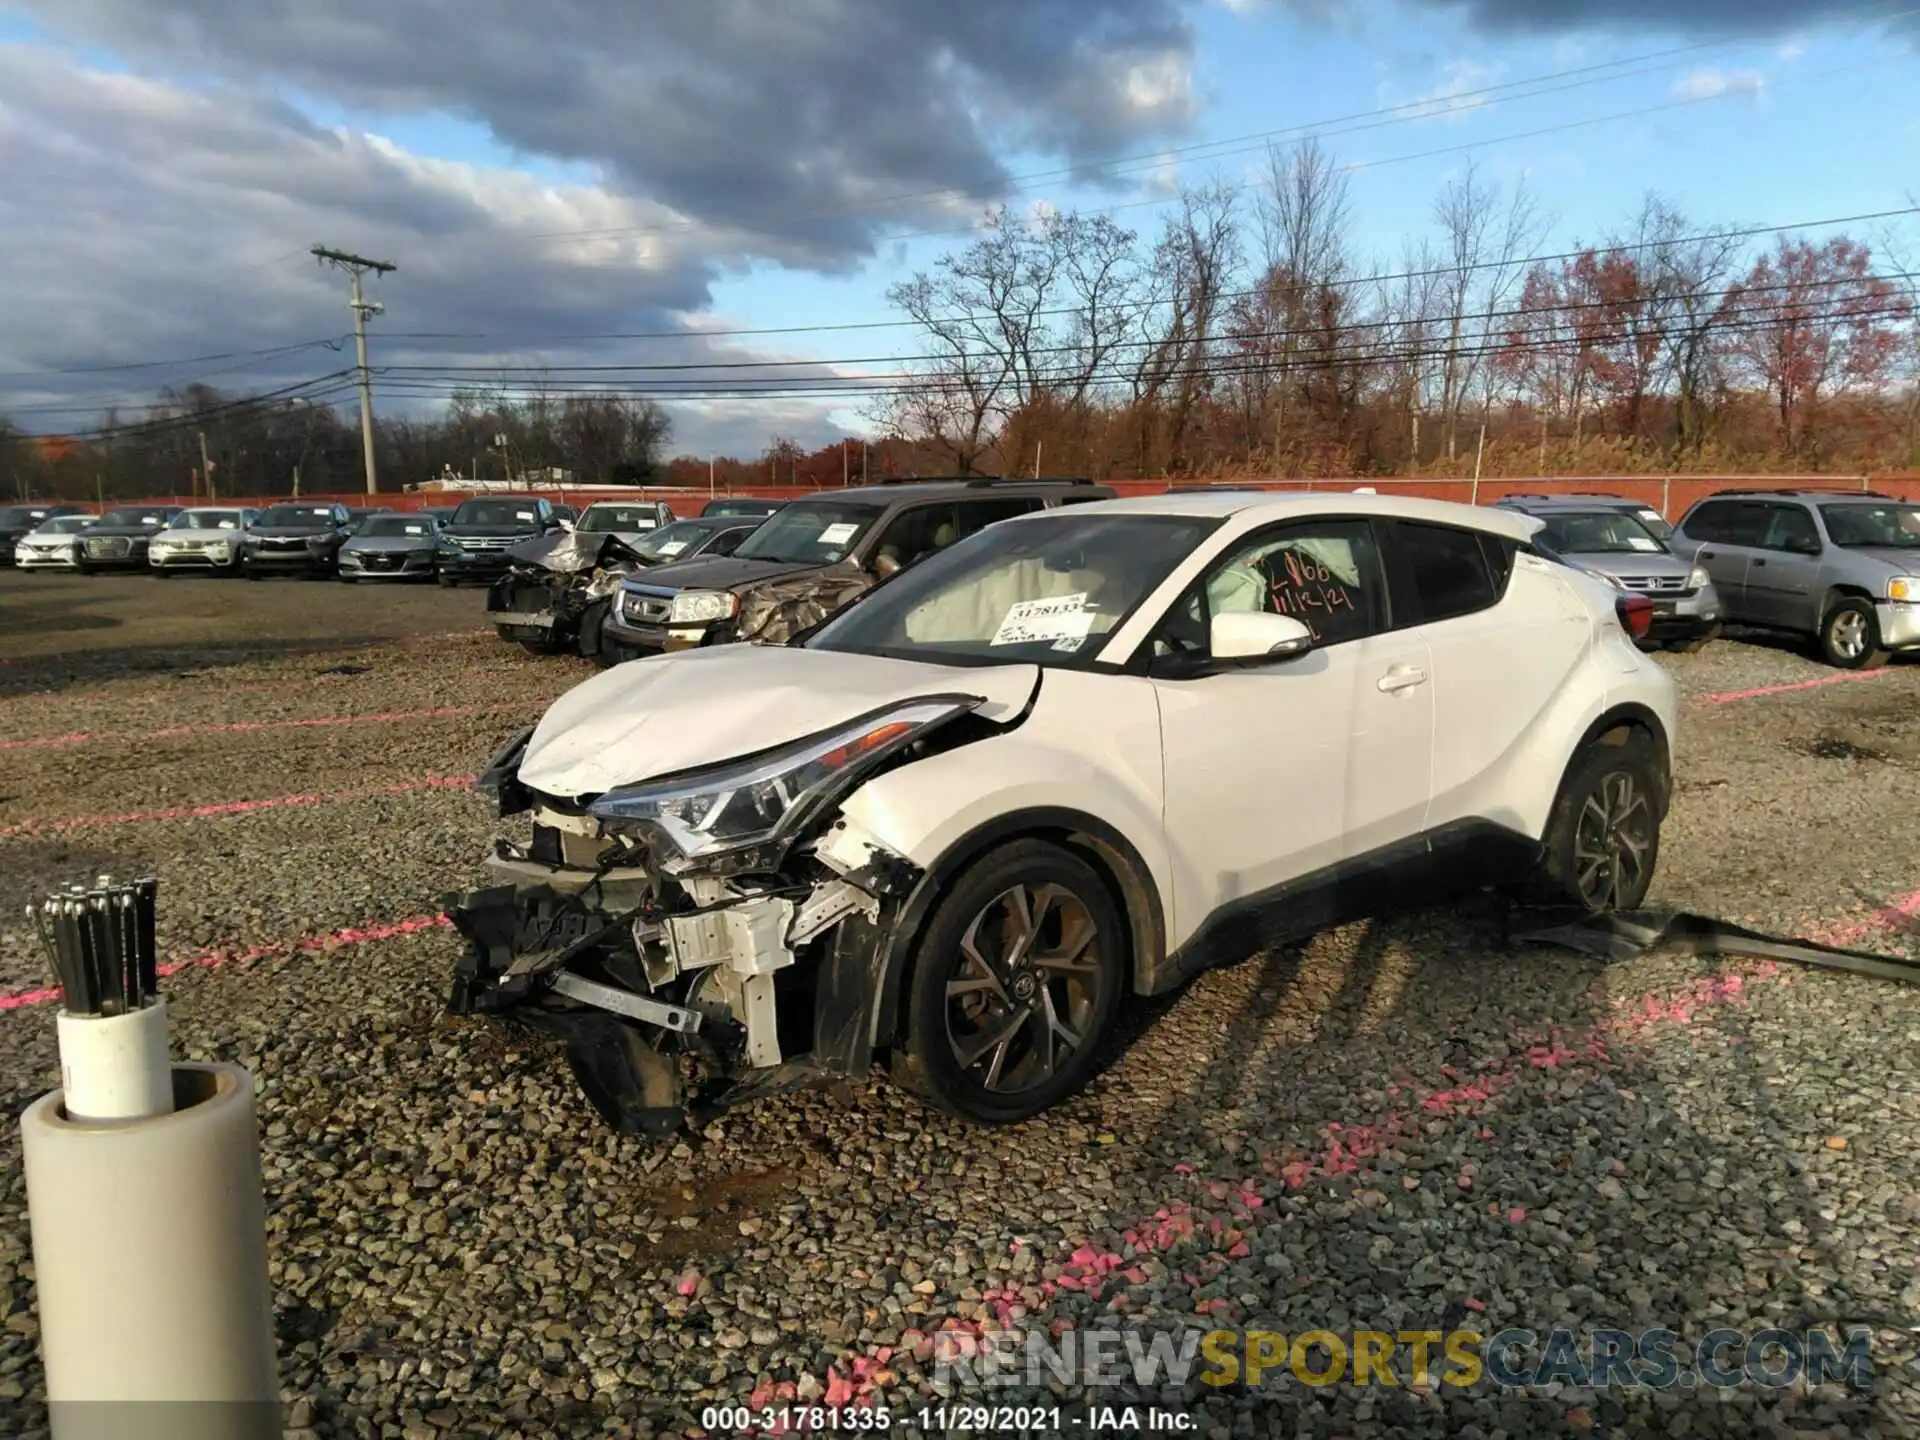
point(1402, 677)
point(1758, 561)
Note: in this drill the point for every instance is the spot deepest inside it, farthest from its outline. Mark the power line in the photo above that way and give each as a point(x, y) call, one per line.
point(1209, 368)
point(1343, 282)
point(332, 343)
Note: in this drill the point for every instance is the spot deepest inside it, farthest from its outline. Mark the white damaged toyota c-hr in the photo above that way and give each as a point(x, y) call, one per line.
point(1060, 765)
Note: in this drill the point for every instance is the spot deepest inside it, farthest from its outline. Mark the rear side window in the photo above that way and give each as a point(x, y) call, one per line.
point(1446, 571)
point(1726, 522)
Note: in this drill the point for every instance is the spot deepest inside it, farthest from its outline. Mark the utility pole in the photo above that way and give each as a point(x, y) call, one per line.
point(206, 465)
point(357, 266)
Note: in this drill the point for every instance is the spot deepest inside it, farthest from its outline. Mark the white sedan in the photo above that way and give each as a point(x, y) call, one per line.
point(1062, 765)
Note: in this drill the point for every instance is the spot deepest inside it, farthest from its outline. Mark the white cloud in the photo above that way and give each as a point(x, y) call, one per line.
point(1709, 83)
point(142, 221)
point(1795, 49)
point(1453, 97)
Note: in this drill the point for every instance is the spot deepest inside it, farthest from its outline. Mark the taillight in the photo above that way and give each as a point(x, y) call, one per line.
point(1636, 615)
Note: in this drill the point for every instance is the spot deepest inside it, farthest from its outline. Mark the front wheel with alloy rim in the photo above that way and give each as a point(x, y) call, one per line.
point(1850, 636)
point(1603, 841)
point(1016, 983)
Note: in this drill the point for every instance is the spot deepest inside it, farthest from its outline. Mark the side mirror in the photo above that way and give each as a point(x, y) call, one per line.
point(1254, 635)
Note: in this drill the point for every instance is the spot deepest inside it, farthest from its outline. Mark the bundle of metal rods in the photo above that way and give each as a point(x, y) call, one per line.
point(100, 941)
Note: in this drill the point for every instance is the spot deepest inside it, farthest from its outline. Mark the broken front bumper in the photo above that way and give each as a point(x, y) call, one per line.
point(677, 998)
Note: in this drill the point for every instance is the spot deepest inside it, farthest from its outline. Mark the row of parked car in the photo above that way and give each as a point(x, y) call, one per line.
point(448, 544)
point(1841, 568)
point(627, 578)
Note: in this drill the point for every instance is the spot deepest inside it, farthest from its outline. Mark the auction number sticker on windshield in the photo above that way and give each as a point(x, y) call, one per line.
point(838, 534)
point(673, 547)
point(1064, 617)
point(1641, 542)
point(645, 524)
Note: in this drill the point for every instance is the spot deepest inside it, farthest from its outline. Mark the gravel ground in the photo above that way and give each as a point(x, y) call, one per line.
point(1401, 1125)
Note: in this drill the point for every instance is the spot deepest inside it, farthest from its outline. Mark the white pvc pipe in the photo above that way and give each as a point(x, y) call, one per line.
point(114, 1067)
point(150, 1263)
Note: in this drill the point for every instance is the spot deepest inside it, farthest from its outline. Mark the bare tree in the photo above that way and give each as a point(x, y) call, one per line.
point(1305, 209)
point(1182, 305)
point(1484, 243)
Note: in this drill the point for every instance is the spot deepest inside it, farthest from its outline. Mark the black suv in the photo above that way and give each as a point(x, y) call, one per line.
point(474, 543)
point(812, 556)
point(291, 539)
point(17, 520)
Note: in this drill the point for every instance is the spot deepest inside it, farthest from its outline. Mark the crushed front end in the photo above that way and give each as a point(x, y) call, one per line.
point(551, 582)
point(701, 939)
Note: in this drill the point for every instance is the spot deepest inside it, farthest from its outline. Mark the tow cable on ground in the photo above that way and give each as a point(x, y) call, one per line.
point(1631, 934)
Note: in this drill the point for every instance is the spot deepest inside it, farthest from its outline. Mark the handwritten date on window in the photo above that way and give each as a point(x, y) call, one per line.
point(1308, 591)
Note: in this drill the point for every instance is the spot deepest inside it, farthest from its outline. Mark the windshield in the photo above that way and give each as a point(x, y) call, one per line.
point(810, 533)
point(397, 525)
point(741, 507)
point(1046, 590)
point(309, 517)
point(680, 538)
point(64, 525)
point(1599, 532)
point(16, 517)
point(206, 520)
point(517, 513)
point(1896, 526)
point(134, 515)
point(1656, 523)
point(601, 519)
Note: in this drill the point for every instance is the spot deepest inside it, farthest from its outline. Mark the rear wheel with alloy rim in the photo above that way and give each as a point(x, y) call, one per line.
point(1015, 985)
point(1850, 636)
point(1603, 841)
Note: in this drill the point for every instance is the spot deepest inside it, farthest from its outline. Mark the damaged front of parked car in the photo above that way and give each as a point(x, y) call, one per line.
point(551, 582)
point(706, 926)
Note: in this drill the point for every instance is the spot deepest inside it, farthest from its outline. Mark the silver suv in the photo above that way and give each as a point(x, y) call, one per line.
point(1841, 567)
point(1606, 536)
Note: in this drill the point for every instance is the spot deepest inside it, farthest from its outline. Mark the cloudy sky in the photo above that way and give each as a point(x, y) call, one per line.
point(581, 182)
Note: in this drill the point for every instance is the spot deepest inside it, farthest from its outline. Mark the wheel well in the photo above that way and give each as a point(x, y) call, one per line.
point(1837, 593)
point(1124, 878)
point(1624, 727)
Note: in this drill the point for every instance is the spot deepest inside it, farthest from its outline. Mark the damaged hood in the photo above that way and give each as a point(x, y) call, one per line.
point(573, 552)
point(670, 713)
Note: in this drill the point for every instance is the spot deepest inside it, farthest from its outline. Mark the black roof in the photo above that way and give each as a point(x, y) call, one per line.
point(931, 486)
point(1801, 494)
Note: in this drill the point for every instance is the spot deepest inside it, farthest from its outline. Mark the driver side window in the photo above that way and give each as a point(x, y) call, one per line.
point(1324, 573)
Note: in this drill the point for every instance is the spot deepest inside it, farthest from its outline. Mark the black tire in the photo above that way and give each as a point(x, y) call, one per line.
point(160, 572)
point(1603, 840)
point(81, 567)
point(349, 579)
point(1850, 636)
point(589, 642)
point(966, 943)
point(446, 582)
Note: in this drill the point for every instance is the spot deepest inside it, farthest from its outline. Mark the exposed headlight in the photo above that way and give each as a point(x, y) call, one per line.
point(1905, 588)
point(750, 802)
point(447, 550)
point(1699, 579)
point(350, 557)
point(690, 607)
point(318, 542)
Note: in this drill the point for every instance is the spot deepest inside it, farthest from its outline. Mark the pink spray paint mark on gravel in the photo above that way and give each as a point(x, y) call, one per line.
point(1728, 697)
point(1087, 1267)
point(230, 807)
point(231, 955)
point(241, 727)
